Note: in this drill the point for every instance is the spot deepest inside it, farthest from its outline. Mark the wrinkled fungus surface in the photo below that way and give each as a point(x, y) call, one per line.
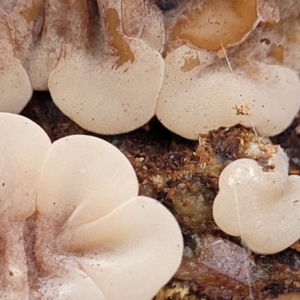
point(72, 225)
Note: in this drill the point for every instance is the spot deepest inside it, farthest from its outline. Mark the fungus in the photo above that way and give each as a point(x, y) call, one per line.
point(200, 99)
point(113, 87)
point(102, 63)
point(222, 84)
point(72, 225)
point(15, 88)
point(261, 205)
point(100, 60)
point(203, 24)
point(38, 29)
point(277, 41)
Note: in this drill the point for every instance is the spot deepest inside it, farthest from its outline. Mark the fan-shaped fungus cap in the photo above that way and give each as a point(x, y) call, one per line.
point(260, 206)
point(195, 99)
point(90, 235)
point(113, 87)
point(15, 88)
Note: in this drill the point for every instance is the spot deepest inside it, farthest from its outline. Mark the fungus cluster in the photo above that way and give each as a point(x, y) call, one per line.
point(112, 65)
point(100, 61)
point(72, 225)
point(234, 71)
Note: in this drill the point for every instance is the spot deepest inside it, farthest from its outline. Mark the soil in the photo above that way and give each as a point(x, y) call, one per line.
point(183, 176)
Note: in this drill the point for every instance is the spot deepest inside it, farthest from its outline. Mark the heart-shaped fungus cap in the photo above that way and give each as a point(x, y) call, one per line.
point(71, 220)
point(261, 206)
point(94, 204)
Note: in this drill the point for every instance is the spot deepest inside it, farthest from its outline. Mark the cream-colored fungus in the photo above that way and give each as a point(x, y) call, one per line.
point(15, 88)
point(103, 56)
point(261, 205)
point(72, 224)
point(201, 98)
point(36, 44)
point(112, 88)
point(203, 24)
point(102, 63)
point(209, 83)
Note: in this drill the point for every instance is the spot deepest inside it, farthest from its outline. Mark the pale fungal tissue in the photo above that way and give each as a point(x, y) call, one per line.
point(261, 204)
point(100, 59)
point(111, 65)
point(231, 62)
point(72, 223)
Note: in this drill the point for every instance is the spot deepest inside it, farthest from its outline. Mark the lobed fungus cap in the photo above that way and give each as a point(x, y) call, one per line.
point(73, 221)
point(261, 206)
